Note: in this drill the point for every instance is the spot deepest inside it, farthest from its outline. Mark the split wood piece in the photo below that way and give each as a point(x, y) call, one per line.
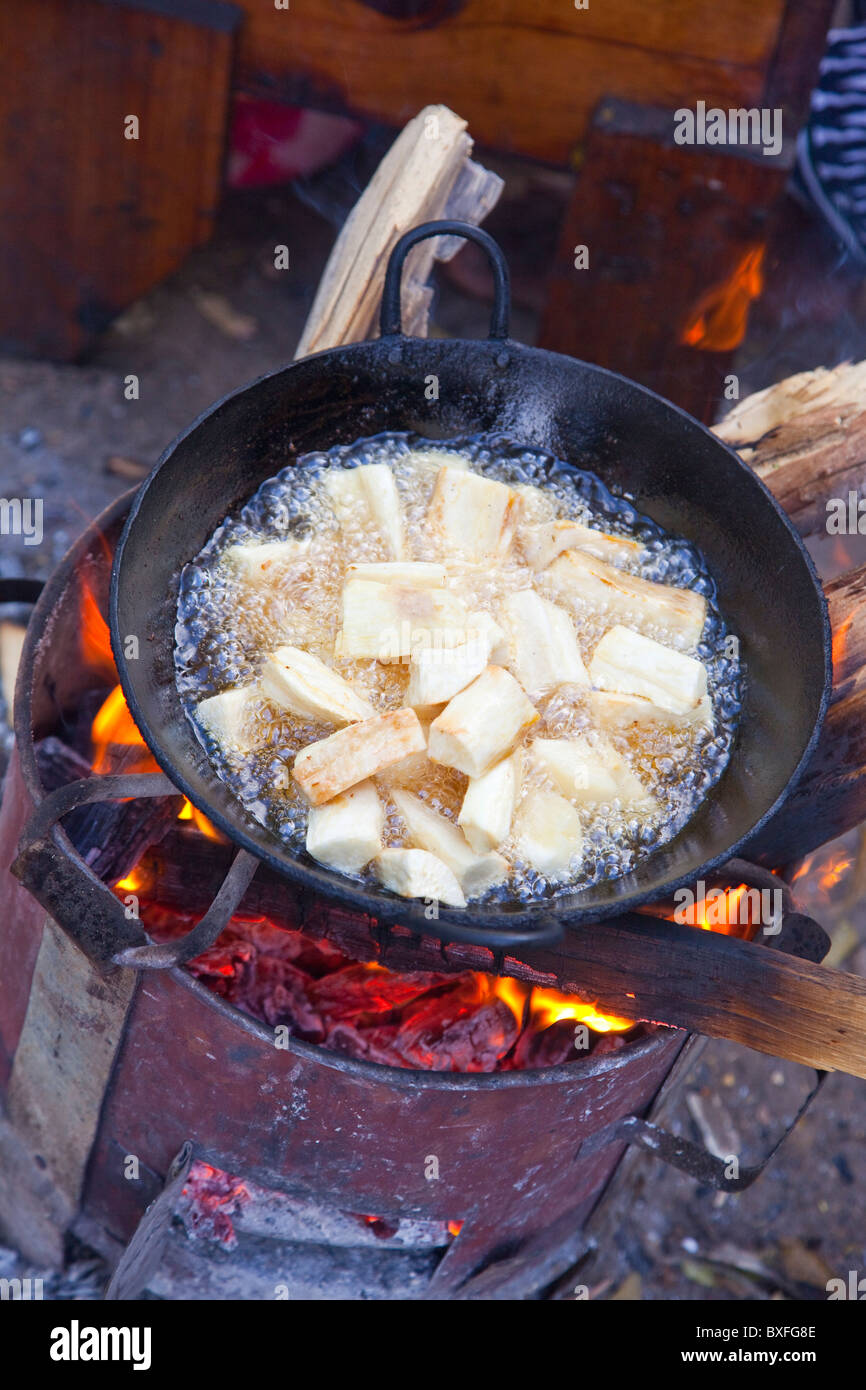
point(637, 967)
point(529, 76)
point(426, 174)
point(806, 438)
point(11, 645)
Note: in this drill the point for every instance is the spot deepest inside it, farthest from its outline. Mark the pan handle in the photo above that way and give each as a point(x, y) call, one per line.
point(390, 322)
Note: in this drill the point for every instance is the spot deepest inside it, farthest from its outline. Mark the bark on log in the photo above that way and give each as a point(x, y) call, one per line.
point(806, 438)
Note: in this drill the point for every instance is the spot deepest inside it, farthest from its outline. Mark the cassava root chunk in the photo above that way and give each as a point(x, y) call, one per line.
point(578, 578)
point(427, 829)
point(542, 642)
point(366, 498)
point(481, 724)
point(417, 574)
point(415, 873)
point(299, 682)
point(438, 673)
point(324, 769)
point(387, 622)
point(485, 626)
point(255, 563)
point(631, 664)
point(542, 544)
point(548, 835)
point(226, 717)
point(589, 772)
point(488, 805)
point(610, 710)
point(346, 833)
point(470, 514)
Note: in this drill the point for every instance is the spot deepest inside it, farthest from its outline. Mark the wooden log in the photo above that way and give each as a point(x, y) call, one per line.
point(667, 229)
point(830, 797)
point(806, 438)
point(426, 174)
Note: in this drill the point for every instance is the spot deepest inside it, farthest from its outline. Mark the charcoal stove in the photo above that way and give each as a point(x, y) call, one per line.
point(205, 1157)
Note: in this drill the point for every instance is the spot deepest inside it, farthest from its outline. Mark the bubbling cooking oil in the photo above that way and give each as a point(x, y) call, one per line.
point(226, 628)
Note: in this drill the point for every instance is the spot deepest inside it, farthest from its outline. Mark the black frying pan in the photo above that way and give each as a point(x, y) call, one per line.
point(677, 473)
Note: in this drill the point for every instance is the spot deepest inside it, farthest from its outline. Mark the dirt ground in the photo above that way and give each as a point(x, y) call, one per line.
point(68, 435)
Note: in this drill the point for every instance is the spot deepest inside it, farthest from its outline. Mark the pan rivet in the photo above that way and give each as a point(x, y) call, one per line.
point(394, 356)
point(503, 359)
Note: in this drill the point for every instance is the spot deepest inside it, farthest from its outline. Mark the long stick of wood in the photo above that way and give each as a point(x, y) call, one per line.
point(638, 967)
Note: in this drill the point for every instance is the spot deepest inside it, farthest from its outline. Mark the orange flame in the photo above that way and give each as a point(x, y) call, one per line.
point(837, 867)
point(718, 324)
point(547, 1006)
point(131, 884)
point(840, 637)
point(95, 637)
point(201, 822)
point(113, 726)
point(719, 915)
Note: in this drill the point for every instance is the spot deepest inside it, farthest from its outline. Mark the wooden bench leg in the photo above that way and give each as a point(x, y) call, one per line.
point(92, 216)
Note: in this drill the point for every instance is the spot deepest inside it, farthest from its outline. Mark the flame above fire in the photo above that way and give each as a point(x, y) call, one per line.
point(114, 733)
point(549, 1006)
point(718, 323)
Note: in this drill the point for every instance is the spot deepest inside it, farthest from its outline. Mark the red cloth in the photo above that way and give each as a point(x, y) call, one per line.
point(271, 143)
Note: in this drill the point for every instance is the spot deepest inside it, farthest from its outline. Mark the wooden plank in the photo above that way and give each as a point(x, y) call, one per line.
point(526, 78)
point(65, 1055)
point(657, 971)
point(22, 918)
point(637, 966)
point(794, 67)
point(663, 224)
point(90, 220)
point(830, 797)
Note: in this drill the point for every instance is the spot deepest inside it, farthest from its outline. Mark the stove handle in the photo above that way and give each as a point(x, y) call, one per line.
point(390, 320)
point(55, 874)
point(692, 1158)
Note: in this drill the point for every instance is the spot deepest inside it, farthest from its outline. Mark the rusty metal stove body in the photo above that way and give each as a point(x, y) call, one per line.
point(102, 1066)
